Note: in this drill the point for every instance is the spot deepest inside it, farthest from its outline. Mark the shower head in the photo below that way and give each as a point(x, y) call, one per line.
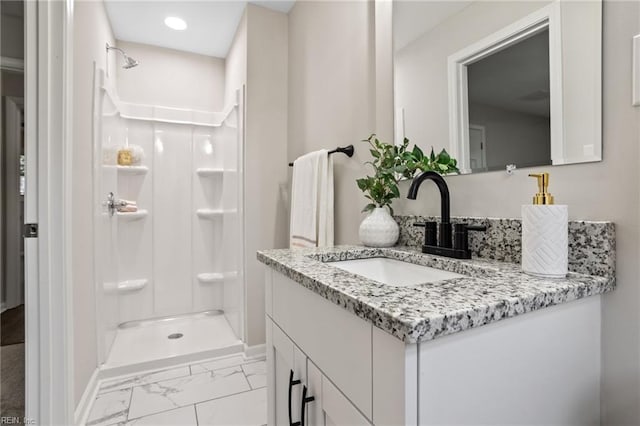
point(129, 62)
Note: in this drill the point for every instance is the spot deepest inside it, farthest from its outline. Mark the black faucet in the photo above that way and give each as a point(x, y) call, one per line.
point(460, 249)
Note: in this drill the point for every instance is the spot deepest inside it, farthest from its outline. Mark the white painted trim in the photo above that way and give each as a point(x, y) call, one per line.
point(555, 86)
point(49, 373)
point(33, 392)
point(68, 360)
point(11, 64)
point(636, 71)
point(83, 409)
point(546, 17)
point(255, 351)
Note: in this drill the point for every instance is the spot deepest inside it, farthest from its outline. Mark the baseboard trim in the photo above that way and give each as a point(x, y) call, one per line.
point(86, 401)
point(255, 351)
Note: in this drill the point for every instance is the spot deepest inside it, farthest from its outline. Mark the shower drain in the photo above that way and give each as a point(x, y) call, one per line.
point(175, 336)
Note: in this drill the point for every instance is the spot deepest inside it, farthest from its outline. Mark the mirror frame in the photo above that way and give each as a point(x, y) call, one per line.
point(540, 20)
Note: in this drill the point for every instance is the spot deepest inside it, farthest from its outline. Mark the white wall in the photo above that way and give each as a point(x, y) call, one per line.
point(332, 94)
point(608, 190)
point(91, 31)
point(236, 62)
point(265, 154)
point(258, 59)
point(171, 78)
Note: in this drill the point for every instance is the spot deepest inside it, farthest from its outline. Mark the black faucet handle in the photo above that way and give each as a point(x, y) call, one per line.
point(461, 235)
point(430, 232)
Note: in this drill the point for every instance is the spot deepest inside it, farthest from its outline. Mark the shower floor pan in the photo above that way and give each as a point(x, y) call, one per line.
point(168, 341)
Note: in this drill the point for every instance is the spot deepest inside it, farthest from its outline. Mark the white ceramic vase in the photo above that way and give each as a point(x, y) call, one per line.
point(379, 229)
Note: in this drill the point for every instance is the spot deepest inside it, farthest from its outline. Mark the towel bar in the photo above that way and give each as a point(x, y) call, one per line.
point(348, 150)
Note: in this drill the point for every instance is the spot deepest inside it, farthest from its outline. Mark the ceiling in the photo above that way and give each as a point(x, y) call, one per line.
point(211, 24)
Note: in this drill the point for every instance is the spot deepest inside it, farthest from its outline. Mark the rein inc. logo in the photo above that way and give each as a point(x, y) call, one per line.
point(15, 420)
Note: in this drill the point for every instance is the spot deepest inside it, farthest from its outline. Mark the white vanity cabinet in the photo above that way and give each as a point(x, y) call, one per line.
point(542, 367)
point(297, 387)
point(331, 353)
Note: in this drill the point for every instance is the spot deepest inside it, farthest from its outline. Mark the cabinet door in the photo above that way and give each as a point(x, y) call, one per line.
point(286, 376)
point(329, 406)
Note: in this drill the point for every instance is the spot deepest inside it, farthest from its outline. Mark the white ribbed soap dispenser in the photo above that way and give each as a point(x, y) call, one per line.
point(545, 234)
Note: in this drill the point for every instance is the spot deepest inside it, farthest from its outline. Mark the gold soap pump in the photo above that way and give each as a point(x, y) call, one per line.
point(543, 197)
point(545, 244)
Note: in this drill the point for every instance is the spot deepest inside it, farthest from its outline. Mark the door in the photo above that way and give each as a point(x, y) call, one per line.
point(477, 147)
point(287, 375)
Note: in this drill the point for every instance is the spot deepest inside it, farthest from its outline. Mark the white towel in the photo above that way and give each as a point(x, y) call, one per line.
point(312, 201)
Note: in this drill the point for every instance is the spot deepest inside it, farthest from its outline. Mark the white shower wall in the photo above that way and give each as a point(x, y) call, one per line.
point(187, 248)
point(174, 245)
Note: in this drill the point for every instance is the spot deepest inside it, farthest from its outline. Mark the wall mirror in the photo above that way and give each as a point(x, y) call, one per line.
point(500, 83)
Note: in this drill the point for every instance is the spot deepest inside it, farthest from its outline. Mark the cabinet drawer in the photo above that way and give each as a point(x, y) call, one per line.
point(336, 340)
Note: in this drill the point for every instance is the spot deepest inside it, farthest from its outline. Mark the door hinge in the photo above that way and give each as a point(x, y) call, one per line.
point(30, 230)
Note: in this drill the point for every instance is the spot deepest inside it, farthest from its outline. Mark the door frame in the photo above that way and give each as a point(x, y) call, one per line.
point(13, 112)
point(48, 147)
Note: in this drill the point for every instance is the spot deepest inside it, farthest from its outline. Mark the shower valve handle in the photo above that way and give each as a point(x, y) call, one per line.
point(114, 205)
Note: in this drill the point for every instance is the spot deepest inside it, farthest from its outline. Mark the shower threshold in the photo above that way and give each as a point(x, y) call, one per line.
point(167, 319)
point(163, 342)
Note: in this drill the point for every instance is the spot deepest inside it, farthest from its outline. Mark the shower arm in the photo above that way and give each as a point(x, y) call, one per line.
point(115, 48)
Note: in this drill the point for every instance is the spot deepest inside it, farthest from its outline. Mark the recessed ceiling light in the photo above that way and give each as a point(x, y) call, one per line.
point(175, 23)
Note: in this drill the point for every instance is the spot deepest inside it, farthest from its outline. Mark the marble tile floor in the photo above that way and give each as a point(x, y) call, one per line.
point(220, 392)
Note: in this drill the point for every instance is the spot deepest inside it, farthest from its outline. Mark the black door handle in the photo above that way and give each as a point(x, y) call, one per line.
point(291, 383)
point(305, 400)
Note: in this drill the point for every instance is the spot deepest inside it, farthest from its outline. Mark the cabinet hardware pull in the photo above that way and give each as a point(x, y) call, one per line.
point(291, 383)
point(305, 400)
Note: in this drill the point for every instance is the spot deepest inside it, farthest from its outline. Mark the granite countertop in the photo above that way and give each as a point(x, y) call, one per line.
point(492, 291)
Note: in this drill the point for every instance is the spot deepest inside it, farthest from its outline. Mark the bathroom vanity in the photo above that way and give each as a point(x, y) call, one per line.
point(362, 342)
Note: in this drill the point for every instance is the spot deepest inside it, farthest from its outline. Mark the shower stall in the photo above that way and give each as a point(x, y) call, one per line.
point(169, 274)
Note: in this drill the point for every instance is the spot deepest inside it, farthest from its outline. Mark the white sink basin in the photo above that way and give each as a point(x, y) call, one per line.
point(394, 272)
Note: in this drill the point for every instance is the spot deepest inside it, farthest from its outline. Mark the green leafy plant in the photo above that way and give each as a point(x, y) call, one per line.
point(391, 163)
point(442, 163)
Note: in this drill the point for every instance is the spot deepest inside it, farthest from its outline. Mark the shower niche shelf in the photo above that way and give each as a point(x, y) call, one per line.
point(132, 216)
point(211, 278)
point(131, 285)
point(209, 213)
point(132, 170)
point(213, 213)
point(209, 172)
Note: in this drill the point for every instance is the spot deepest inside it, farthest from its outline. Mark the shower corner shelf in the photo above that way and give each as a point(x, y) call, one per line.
point(133, 170)
point(211, 278)
point(140, 214)
point(131, 285)
point(209, 213)
point(208, 171)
